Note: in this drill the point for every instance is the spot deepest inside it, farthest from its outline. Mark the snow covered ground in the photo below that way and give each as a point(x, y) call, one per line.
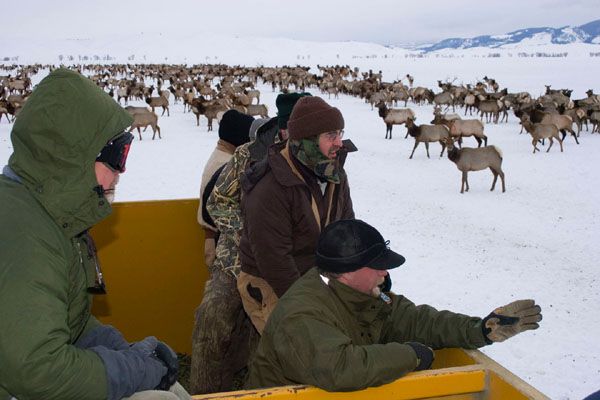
point(465, 252)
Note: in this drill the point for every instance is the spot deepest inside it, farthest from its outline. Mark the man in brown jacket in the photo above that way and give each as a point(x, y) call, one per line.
point(299, 189)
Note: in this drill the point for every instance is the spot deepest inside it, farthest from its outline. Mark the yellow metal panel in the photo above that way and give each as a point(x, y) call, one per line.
point(151, 256)
point(503, 384)
point(500, 389)
point(420, 385)
point(446, 358)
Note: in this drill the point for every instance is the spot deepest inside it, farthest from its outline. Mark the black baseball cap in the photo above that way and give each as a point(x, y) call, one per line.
point(350, 244)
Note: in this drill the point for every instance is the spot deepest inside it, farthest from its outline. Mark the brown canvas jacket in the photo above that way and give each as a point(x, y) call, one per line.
point(280, 231)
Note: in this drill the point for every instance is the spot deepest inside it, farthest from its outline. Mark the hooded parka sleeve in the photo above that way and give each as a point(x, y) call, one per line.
point(336, 338)
point(320, 354)
point(437, 329)
point(37, 358)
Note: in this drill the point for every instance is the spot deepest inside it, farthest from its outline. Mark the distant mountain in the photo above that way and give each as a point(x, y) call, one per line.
point(588, 33)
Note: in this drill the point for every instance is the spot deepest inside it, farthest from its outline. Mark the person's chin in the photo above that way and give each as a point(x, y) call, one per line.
point(376, 291)
point(110, 196)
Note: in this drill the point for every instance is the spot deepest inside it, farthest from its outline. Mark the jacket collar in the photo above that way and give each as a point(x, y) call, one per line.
point(281, 169)
point(364, 307)
point(225, 146)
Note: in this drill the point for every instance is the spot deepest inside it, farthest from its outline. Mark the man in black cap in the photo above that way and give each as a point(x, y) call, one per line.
point(336, 330)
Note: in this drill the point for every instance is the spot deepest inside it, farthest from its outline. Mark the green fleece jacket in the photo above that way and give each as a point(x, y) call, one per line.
point(44, 265)
point(336, 338)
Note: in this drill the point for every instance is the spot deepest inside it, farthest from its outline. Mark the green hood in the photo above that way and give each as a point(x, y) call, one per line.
point(56, 138)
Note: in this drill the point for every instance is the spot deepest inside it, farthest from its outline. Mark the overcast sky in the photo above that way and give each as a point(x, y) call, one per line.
point(379, 21)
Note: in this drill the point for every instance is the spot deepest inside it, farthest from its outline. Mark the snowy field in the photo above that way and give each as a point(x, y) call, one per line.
point(465, 252)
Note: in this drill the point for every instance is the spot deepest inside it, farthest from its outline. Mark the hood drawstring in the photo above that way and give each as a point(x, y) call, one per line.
point(99, 190)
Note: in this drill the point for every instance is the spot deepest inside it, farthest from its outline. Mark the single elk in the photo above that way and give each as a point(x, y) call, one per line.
point(144, 120)
point(541, 131)
point(160, 101)
point(394, 116)
point(476, 159)
point(467, 127)
point(427, 134)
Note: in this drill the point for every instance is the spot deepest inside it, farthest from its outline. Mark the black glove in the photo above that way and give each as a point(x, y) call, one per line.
point(132, 370)
point(165, 354)
point(507, 321)
point(425, 355)
point(386, 286)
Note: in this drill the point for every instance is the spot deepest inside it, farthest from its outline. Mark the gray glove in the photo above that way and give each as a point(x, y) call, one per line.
point(511, 319)
point(103, 335)
point(132, 370)
point(169, 358)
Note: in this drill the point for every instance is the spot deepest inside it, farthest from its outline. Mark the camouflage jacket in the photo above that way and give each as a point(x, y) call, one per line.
point(224, 208)
point(224, 203)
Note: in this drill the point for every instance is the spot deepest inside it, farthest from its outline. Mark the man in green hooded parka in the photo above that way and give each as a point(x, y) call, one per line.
point(69, 147)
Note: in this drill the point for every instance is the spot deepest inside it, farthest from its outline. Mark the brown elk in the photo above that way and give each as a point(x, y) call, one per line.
point(394, 116)
point(445, 98)
point(541, 131)
point(427, 134)
point(469, 159)
point(144, 120)
point(160, 101)
point(257, 109)
point(209, 109)
point(564, 123)
point(467, 127)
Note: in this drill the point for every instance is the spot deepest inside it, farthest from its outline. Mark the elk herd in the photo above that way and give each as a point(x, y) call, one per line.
point(211, 90)
point(551, 116)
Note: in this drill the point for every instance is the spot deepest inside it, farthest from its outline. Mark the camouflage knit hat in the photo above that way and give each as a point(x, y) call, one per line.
point(312, 116)
point(285, 103)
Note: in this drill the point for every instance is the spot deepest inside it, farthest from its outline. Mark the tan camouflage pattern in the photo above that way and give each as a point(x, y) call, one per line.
point(224, 207)
point(223, 339)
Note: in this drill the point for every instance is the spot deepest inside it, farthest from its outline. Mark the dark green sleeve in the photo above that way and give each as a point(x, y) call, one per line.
point(437, 329)
point(36, 356)
point(317, 353)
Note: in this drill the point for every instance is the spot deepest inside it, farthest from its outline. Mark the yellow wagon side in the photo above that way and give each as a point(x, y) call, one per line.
point(151, 254)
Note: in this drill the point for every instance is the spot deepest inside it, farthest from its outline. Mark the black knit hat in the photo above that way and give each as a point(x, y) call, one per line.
point(235, 127)
point(312, 116)
point(350, 244)
point(285, 103)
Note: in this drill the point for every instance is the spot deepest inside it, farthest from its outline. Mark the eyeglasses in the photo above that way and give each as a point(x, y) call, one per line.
point(334, 135)
point(114, 153)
